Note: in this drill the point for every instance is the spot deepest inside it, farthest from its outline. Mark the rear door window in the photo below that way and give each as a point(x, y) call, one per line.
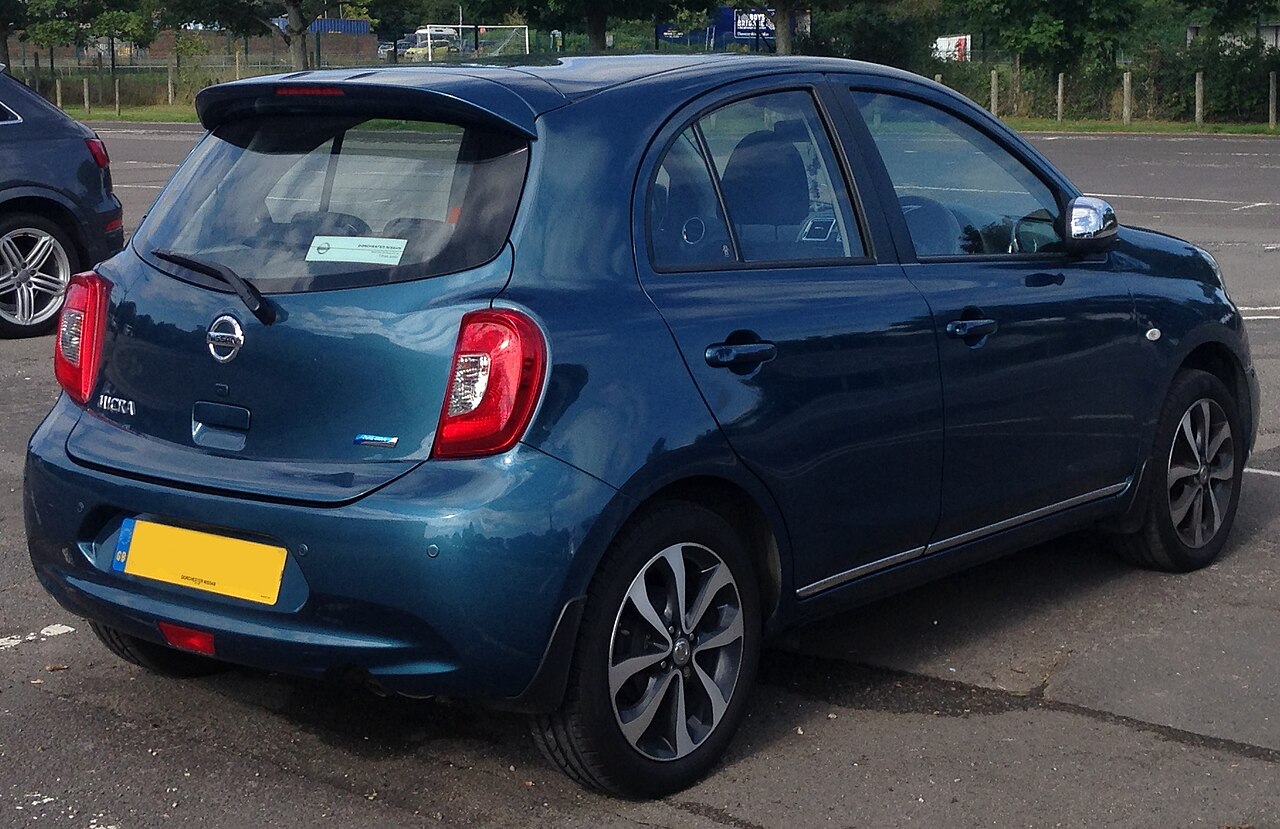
point(328, 201)
point(7, 115)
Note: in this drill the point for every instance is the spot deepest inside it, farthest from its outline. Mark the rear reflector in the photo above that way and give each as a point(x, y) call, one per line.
point(114, 225)
point(81, 330)
point(498, 366)
point(196, 641)
point(319, 91)
point(98, 150)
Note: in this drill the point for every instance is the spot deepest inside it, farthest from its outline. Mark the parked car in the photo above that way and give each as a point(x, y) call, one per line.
point(563, 386)
point(58, 214)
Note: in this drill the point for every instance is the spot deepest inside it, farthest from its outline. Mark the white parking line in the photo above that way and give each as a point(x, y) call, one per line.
point(1266, 472)
point(1239, 205)
point(1259, 307)
point(1263, 317)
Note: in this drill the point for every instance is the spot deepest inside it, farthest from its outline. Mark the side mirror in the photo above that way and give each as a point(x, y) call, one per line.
point(1091, 225)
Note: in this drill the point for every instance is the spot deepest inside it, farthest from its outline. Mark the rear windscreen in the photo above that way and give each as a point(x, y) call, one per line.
point(303, 203)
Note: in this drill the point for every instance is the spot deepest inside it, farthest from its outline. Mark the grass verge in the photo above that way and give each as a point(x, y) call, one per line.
point(186, 114)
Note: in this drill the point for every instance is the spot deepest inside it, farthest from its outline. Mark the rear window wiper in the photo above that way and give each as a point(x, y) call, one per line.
point(253, 299)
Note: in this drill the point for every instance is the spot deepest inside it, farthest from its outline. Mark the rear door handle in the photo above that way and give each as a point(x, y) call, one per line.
point(970, 329)
point(741, 355)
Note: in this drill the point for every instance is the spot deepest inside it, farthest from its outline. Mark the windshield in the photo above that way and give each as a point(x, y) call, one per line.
point(301, 203)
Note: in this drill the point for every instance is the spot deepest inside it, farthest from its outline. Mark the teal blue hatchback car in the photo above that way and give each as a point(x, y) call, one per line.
point(564, 386)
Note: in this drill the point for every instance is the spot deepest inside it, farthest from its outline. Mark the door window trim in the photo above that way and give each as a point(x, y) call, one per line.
point(1061, 189)
point(654, 161)
point(16, 119)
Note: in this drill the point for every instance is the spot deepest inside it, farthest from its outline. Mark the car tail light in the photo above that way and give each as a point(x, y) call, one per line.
point(81, 330)
point(196, 641)
point(498, 366)
point(98, 150)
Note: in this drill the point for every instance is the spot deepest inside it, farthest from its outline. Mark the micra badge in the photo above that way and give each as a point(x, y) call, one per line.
point(376, 440)
point(116, 405)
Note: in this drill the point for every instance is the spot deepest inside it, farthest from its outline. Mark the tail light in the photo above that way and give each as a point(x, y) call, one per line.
point(498, 366)
point(81, 330)
point(98, 150)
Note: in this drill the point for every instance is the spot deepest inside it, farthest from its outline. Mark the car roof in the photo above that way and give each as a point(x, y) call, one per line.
point(518, 92)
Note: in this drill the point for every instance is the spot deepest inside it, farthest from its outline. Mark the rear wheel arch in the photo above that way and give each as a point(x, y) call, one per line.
point(55, 212)
point(744, 514)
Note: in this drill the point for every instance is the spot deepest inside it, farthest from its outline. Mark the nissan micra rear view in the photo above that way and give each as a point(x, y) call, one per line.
point(565, 386)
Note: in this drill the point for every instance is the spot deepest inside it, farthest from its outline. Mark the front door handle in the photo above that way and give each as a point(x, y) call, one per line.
point(970, 329)
point(739, 355)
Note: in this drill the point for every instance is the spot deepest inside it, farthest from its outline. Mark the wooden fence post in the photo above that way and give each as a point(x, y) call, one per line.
point(237, 64)
point(1128, 98)
point(170, 67)
point(938, 77)
point(1199, 98)
point(87, 107)
point(1271, 103)
point(117, 97)
point(995, 93)
point(1062, 82)
point(57, 92)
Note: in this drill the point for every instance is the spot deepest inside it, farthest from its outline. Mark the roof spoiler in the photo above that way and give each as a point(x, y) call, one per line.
point(456, 98)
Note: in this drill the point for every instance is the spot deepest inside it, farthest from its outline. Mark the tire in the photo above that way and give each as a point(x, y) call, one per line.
point(30, 299)
point(1195, 485)
point(651, 668)
point(158, 659)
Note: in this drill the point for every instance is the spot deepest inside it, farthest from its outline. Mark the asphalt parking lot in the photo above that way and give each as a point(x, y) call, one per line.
point(1057, 687)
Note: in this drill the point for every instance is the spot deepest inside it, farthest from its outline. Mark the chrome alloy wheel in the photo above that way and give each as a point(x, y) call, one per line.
point(34, 272)
point(1201, 473)
point(676, 651)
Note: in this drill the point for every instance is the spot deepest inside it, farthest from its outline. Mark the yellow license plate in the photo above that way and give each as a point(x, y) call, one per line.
point(203, 561)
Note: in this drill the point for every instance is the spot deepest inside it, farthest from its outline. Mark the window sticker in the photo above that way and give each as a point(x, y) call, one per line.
point(367, 250)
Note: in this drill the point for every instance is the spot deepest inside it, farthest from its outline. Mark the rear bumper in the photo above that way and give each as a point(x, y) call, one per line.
point(515, 539)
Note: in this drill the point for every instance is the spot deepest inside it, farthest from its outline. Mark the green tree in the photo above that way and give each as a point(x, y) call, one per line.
point(13, 17)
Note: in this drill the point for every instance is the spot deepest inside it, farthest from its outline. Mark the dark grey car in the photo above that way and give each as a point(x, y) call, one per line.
point(58, 214)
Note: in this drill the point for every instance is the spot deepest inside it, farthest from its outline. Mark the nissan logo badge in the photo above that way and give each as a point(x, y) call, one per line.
point(225, 339)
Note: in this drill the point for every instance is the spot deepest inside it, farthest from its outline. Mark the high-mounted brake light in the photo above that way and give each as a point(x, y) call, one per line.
point(98, 150)
point(498, 366)
point(81, 330)
point(320, 91)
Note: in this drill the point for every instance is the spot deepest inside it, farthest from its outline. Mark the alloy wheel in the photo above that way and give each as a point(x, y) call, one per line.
point(676, 651)
point(34, 272)
point(1201, 474)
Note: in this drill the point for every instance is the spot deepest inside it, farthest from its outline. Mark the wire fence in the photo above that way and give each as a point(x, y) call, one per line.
point(1201, 83)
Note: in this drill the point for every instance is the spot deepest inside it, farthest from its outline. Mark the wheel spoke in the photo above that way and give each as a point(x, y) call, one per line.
point(1189, 435)
point(26, 306)
point(11, 256)
point(1202, 441)
point(1178, 509)
point(1197, 517)
point(8, 281)
point(1178, 472)
point(40, 252)
point(718, 703)
point(684, 740)
point(1219, 437)
point(674, 557)
point(46, 284)
point(645, 710)
point(628, 668)
point(732, 632)
point(1215, 510)
point(719, 579)
point(1226, 471)
point(639, 598)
